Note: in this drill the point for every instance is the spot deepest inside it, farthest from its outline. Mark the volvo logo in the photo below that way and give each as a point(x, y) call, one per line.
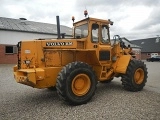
point(59, 43)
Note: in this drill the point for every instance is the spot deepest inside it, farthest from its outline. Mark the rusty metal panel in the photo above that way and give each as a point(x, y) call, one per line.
point(67, 57)
point(52, 58)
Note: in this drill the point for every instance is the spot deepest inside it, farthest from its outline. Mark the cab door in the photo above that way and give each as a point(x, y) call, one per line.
point(100, 40)
point(104, 47)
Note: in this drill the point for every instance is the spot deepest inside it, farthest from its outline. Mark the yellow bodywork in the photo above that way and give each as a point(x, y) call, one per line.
point(40, 61)
point(122, 63)
point(38, 78)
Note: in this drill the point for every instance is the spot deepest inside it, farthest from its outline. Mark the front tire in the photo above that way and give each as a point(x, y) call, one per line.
point(135, 77)
point(76, 83)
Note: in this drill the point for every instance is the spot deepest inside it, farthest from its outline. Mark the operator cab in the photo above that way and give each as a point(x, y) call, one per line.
point(96, 30)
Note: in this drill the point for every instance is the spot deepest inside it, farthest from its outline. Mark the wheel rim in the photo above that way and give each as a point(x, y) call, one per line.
point(139, 76)
point(81, 84)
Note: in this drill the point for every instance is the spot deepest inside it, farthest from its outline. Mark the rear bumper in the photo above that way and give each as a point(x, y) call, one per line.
point(28, 76)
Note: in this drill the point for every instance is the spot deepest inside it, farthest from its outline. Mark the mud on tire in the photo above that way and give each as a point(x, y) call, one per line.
point(76, 83)
point(135, 77)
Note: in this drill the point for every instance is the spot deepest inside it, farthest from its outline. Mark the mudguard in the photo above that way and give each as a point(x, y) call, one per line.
point(122, 64)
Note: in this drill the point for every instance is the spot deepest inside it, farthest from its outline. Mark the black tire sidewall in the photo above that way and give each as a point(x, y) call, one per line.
point(133, 81)
point(128, 80)
point(69, 80)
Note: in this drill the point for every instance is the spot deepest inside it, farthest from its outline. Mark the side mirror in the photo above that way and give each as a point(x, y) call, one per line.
point(110, 22)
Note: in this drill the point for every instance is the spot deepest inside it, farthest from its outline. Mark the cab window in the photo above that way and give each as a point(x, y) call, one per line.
point(95, 29)
point(105, 37)
point(81, 31)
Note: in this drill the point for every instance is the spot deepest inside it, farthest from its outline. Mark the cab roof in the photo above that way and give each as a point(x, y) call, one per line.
point(93, 19)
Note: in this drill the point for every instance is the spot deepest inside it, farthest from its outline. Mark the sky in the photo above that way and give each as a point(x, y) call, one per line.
point(133, 19)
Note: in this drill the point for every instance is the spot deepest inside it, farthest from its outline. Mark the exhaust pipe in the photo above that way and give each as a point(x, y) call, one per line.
point(58, 28)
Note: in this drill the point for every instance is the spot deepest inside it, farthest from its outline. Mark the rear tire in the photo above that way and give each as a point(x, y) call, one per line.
point(76, 83)
point(135, 77)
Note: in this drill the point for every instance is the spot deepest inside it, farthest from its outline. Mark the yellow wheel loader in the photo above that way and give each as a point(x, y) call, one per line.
point(75, 65)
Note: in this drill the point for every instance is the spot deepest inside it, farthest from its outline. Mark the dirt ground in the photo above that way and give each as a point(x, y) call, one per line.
point(111, 101)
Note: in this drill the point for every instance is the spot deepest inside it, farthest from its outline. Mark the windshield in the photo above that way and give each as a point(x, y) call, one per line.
point(81, 31)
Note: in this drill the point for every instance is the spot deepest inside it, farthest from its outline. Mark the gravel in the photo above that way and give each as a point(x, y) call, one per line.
point(111, 101)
